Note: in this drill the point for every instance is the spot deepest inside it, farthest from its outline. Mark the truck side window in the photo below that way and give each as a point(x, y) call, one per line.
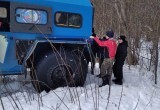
point(4, 23)
point(61, 19)
point(3, 12)
point(75, 20)
point(31, 16)
point(68, 19)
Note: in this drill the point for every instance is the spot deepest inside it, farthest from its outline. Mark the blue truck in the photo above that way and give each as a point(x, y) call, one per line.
point(45, 38)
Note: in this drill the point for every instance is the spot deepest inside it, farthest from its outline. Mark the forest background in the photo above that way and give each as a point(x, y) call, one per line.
point(138, 20)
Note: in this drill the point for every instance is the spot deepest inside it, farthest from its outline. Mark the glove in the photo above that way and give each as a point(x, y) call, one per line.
point(92, 37)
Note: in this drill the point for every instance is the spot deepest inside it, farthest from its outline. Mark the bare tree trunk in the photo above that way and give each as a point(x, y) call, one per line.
point(156, 61)
point(120, 7)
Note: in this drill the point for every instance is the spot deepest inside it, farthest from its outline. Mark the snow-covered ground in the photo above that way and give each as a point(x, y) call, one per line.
point(137, 93)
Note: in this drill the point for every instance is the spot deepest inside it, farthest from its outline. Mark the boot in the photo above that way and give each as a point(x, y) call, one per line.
point(105, 80)
point(99, 75)
point(92, 72)
point(118, 82)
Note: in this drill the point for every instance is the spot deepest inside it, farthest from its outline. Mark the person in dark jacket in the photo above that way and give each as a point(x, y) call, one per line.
point(120, 57)
point(90, 51)
point(93, 48)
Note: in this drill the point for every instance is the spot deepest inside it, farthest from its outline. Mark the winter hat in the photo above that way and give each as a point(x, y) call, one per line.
point(122, 37)
point(110, 34)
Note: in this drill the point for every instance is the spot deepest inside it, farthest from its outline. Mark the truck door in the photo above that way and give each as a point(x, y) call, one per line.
point(19, 22)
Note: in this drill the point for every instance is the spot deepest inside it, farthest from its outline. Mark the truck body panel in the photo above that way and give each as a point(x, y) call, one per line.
point(8, 62)
point(46, 12)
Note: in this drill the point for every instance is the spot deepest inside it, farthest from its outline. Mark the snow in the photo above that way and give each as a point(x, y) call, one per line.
point(137, 93)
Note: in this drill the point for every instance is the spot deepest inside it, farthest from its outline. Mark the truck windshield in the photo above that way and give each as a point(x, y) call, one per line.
point(3, 12)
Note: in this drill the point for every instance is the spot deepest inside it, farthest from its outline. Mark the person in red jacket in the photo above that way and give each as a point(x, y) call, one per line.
point(107, 64)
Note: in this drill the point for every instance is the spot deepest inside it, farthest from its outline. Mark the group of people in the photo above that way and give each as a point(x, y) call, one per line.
point(111, 57)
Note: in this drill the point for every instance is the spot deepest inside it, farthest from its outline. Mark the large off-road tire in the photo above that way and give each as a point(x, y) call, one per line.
point(57, 70)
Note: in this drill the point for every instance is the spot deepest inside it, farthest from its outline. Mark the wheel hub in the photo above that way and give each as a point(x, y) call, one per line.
point(60, 75)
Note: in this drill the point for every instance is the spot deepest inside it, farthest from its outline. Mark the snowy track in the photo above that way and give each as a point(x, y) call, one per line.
point(137, 93)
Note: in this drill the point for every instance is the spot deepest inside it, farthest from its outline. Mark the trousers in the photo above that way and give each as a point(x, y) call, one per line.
point(106, 67)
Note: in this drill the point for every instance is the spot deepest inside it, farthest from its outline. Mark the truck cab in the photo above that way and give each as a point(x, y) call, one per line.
point(33, 32)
